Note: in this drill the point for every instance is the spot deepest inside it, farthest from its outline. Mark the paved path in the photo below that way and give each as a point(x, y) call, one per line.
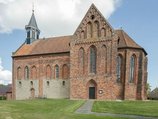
point(86, 109)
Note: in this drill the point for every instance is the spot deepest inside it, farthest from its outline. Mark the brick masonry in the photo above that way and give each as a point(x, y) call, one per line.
point(75, 78)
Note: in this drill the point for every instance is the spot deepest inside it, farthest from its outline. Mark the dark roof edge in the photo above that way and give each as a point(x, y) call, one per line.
point(134, 48)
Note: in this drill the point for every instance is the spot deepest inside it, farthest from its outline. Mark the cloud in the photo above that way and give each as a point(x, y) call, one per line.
point(5, 75)
point(54, 17)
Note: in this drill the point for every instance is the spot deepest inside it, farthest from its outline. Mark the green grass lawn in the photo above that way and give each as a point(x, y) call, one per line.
point(145, 108)
point(44, 109)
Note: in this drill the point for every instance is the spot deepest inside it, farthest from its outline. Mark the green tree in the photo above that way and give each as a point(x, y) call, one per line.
point(148, 88)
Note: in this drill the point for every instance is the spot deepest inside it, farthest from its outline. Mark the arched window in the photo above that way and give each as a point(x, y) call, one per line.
point(93, 59)
point(48, 72)
point(81, 56)
point(96, 29)
point(65, 72)
point(26, 72)
point(89, 30)
point(81, 60)
point(28, 34)
point(33, 73)
point(19, 73)
point(119, 68)
point(56, 71)
point(132, 69)
point(104, 57)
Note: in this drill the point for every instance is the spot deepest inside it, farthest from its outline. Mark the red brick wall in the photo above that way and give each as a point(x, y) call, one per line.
point(40, 62)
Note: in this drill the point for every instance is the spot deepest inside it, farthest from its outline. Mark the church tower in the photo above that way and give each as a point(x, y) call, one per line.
point(32, 30)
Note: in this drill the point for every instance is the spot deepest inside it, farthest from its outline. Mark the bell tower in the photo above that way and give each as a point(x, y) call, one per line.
point(32, 30)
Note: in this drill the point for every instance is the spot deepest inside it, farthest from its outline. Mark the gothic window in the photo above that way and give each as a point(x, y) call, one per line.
point(93, 59)
point(56, 71)
point(104, 57)
point(19, 73)
point(26, 72)
point(132, 69)
point(81, 60)
point(65, 72)
point(33, 73)
point(96, 29)
point(81, 56)
point(89, 30)
point(119, 68)
point(48, 72)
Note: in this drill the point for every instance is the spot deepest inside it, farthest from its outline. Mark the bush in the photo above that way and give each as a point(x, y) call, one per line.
point(2, 97)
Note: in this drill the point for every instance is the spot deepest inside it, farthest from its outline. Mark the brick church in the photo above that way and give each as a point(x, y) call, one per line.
point(96, 62)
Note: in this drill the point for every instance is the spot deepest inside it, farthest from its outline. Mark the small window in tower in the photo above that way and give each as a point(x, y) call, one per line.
point(33, 34)
point(37, 36)
point(28, 34)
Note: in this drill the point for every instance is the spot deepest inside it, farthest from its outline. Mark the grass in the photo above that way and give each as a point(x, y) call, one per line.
point(44, 109)
point(143, 108)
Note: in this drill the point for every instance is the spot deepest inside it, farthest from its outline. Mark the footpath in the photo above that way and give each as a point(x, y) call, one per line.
point(87, 107)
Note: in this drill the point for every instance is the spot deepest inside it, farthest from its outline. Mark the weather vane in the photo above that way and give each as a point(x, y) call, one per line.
point(33, 6)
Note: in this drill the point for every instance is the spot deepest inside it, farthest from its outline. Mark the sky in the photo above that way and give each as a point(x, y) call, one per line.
point(138, 18)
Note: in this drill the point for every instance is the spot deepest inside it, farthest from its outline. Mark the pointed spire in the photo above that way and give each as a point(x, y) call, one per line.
point(32, 29)
point(32, 22)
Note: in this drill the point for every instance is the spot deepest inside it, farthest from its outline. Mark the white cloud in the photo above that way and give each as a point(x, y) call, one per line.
point(54, 17)
point(5, 75)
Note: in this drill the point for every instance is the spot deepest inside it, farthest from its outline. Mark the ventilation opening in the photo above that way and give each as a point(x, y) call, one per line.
point(47, 83)
point(92, 17)
point(63, 83)
point(20, 84)
point(31, 83)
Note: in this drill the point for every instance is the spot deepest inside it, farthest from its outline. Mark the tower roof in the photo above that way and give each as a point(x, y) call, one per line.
point(32, 22)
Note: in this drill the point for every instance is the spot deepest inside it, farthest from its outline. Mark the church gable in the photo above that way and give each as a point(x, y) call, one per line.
point(93, 26)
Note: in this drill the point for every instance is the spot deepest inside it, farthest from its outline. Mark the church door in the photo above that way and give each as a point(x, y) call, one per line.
point(91, 92)
point(91, 89)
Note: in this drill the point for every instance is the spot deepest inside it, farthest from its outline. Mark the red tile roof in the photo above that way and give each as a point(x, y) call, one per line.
point(126, 41)
point(44, 46)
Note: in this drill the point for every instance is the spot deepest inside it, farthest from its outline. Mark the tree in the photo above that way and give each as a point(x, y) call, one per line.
point(148, 88)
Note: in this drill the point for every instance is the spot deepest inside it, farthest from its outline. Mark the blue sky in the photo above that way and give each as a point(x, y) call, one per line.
point(138, 18)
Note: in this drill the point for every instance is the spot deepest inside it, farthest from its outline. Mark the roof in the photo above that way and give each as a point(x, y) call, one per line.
point(4, 89)
point(126, 41)
point(32, 22)
point(62, 44)
point(154, 94)
point(45, 46)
